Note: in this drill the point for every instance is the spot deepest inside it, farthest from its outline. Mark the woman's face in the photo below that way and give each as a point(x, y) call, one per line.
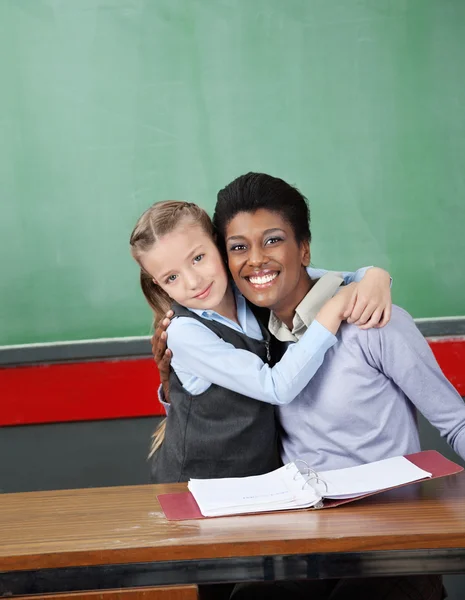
point(265, 260)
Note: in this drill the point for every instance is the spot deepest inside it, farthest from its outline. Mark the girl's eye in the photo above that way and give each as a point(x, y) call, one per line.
point(171, 278)
point(237, 247)
point(272, 240)
point(198, 258)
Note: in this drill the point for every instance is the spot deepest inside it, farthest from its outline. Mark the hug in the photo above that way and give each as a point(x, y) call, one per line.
point(270, 360)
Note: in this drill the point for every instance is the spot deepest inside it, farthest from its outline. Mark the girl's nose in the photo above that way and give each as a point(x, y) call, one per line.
point(192, 279)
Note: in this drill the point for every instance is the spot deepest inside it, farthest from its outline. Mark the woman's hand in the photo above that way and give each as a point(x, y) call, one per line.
point(371, 300)
point(161, 354)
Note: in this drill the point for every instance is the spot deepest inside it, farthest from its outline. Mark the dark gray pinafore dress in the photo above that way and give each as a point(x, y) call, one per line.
point(218, 433)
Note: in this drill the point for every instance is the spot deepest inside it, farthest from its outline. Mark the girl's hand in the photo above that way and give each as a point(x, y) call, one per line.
point(161, 354)
point(333, 312)
point(371, 301)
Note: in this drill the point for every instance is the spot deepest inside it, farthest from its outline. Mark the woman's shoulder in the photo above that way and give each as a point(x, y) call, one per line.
point(401, 324)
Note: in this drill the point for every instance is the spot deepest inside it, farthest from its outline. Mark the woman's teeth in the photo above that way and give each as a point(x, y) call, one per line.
point(260, 280)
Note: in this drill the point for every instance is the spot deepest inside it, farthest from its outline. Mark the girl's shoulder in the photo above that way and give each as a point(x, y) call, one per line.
point(186, 331)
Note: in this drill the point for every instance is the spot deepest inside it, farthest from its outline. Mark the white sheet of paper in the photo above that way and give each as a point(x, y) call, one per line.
point(379, 475)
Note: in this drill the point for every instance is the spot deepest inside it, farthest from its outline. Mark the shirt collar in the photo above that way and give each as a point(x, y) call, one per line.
point(322, 290)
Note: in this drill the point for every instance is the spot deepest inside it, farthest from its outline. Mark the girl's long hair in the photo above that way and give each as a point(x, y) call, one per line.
point(157, 221)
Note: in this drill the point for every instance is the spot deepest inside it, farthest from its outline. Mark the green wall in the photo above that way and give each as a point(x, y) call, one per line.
point(109, 105)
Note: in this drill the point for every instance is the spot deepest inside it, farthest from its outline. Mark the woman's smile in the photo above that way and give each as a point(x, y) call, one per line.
point(262, 279)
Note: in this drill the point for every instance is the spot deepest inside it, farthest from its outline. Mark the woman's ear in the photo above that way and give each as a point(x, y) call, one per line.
point(305, 253)
point(155, 282)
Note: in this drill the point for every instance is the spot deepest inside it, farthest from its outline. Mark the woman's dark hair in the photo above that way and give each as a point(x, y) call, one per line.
point(252, 191)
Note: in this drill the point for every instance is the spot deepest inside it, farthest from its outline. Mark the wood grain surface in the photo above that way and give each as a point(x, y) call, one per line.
point(126, 525)
point(178, 592)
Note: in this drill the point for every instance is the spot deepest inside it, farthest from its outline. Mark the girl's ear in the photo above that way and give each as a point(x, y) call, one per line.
point(154, 282)
point(305, 253)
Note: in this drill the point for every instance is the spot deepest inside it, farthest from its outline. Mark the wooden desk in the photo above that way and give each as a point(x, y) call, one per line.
point(113, 538)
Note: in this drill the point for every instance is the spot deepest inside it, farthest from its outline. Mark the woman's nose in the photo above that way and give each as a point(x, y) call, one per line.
point(256, 257)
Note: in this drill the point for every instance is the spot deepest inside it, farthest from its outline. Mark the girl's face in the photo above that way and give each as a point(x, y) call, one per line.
point(188, 266)
point(265, 260)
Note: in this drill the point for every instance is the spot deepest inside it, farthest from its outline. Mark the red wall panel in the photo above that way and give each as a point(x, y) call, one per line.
point(450, 354)
point(124, 388)
point(79, 391)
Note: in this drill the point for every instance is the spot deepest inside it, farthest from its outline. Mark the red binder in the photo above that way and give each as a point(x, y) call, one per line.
point(182, 506)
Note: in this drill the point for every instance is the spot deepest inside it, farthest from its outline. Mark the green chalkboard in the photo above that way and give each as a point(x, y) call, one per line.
point(109, 105)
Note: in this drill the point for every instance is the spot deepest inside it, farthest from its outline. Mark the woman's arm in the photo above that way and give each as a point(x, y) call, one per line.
point(162, 356)
point(402, 353)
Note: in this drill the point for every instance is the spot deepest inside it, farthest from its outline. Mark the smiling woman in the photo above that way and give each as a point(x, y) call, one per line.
point(361, 405)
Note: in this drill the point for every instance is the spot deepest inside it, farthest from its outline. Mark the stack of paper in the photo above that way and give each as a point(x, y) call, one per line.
point(287, 488)
point(282, 489)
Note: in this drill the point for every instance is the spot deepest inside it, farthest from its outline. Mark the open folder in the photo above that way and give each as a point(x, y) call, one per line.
point(296, 486)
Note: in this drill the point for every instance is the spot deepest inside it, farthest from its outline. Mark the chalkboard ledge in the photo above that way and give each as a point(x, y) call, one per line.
point(139, 347)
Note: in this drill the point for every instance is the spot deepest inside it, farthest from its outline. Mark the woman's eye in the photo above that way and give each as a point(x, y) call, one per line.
point(171, 278)
point(237, 247)
point(198, 258)
point(273, 240)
